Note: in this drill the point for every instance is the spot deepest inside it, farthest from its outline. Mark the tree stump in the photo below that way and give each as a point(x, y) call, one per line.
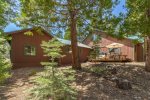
point(123, 84)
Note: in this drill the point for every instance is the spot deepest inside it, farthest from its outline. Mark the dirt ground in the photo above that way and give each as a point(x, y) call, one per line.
point(91, 85)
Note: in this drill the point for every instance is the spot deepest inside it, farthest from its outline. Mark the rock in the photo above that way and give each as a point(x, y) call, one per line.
point(20, 84)
point(106, 77)
point(113, 79)
point(108, 66)
point(113, 71)
point(123, 84)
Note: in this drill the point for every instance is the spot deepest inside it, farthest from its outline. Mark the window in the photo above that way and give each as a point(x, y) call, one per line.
point(115, 50)
point(29, 50)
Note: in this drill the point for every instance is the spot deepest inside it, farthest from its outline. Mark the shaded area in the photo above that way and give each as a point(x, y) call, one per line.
point(102, 86)
point(93, 82)
point(15, 87)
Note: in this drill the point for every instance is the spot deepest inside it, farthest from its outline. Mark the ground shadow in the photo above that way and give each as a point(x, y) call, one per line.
point(15, 86)
point(90, 85)
point(97, 87)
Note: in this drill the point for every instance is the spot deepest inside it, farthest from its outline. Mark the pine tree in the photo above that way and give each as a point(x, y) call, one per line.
point(136, 22)
point(5, 63)
point(53, 82)
point(76, 18)
point(6, 15)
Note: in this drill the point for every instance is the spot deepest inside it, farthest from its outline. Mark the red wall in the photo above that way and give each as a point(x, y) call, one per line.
point(139, 52)
point(19, 40)
point(127, 49)
point(84, 53)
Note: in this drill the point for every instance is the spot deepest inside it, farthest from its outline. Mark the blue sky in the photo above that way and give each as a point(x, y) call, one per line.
point(119, 8)
point(11, 27)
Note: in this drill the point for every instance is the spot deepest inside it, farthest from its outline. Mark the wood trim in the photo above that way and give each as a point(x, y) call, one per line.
point(32, 46)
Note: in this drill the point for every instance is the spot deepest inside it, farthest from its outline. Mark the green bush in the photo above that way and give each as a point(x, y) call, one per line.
point(33, 72)
point(5, 64)
point(99, 70)
point(94, 53)
point(53, 83)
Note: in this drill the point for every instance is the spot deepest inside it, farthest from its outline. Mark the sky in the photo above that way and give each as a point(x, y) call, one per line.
point(119, 8)
point(11, 27)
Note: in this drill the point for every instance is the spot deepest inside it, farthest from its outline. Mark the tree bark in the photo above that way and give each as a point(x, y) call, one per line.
point(75, 52)
point(147, 63)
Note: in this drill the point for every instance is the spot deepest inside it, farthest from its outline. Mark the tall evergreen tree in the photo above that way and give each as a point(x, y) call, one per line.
point(7, 8)
point(53, 83)
point(76, 17)
point(6, 12)
point(136, 22)
point(5, 63)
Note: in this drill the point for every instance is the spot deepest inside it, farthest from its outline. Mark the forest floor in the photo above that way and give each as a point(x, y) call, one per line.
point(94, 82)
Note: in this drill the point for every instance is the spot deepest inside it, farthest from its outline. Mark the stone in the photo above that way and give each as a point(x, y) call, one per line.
point(123, 84)
point(108, 66)
point(113, 79)
point(20, 84)
point(113, 71)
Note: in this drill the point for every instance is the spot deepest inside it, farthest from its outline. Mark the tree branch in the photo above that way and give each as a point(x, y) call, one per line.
point(60, 12)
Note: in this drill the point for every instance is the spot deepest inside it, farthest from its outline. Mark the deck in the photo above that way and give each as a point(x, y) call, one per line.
point(110, 60)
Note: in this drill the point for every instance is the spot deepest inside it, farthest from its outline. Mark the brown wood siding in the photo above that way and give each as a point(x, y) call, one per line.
point(139, 52)
point(19, 40)
point(127, 49)
point(67, 59)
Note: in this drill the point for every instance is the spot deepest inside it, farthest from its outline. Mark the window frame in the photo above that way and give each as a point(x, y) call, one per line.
point(114, 50)
point(32, 46)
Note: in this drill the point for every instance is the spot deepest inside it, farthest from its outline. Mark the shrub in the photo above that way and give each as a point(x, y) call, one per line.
point(99, 70)
point(53, 82)
point(5, 64)
point(33, 72)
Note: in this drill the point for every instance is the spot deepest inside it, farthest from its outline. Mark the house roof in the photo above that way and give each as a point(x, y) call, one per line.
point(101, 33)
point(17, 31)
point(66, 42)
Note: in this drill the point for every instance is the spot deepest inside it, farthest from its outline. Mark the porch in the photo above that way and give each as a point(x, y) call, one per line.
point(109, 53)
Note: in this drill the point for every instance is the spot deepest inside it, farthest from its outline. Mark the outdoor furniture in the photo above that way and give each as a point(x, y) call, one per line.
point(115, 45)
point(120, 57)
point(114, 55)
point(124, 57)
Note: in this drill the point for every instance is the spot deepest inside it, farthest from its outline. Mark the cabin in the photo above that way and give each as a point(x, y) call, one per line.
point(27, 52)
point(126, 48)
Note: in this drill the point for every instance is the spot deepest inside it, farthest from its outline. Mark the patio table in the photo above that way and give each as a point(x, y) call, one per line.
point(120, 57)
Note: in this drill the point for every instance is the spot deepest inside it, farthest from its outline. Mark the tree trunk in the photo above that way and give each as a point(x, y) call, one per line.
point(147, 64)
point(75, 53)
